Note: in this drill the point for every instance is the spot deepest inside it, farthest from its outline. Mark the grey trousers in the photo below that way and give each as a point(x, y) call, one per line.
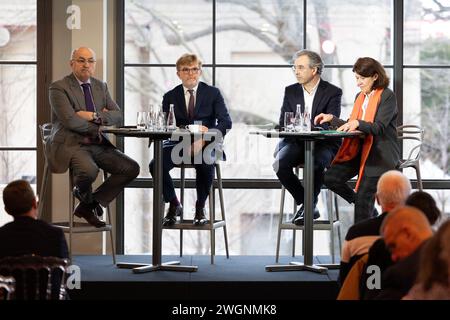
point(85, 166)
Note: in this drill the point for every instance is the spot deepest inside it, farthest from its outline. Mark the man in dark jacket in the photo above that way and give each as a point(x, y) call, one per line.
point(26, 234)
point(316, 96)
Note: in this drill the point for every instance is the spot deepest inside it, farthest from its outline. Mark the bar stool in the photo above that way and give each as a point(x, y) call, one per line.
point(415, 134)
point(213, 223)
point(70, 226)
point(329, 225)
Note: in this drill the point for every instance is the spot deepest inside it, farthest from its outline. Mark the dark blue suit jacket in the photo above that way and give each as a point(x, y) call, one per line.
point(326, 100)
point(209, 110)
point(26, 235)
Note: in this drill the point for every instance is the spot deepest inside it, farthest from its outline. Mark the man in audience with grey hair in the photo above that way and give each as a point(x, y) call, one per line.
point(393, 188)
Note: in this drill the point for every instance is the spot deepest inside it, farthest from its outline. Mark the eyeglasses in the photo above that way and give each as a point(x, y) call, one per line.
point(83, 61)
point(189, 70)
point(295, 68)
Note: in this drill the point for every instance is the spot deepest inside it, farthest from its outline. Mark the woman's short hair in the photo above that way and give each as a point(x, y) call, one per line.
point(368, 67)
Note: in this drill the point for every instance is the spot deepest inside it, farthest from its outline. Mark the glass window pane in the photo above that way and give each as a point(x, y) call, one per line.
point(161, 31)
point(426, 32)
point(17, 165)
point(18, 106)
point(18, 30)
point(252, 222)
point(344, 31)
point(258, 32)
point(427, 103)
point(138, 221)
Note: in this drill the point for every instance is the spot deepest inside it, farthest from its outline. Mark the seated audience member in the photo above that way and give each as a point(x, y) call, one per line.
point(405, 231)
point(425, 202)
point(379, 254)
point(433, 280)
point(392, 190)
point(26, 234)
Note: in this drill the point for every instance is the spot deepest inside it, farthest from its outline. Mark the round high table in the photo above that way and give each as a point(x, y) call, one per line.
point(158, 204)
point(309, 137)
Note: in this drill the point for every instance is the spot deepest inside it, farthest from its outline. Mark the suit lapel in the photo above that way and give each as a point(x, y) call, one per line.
point(77, 93)
point(199, 97)
point(97, 94)
point(299, 98)
point(318, 97)
point(181, 101)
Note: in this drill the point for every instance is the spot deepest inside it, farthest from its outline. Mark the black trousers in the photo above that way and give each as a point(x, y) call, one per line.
point(336, 179)
point(204, 177)
point(289, 156)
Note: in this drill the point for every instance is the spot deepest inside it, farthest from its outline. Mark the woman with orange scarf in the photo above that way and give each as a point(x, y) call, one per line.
point(375, 114)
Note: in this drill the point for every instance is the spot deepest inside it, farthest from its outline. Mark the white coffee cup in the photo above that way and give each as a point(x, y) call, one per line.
point(194, 128)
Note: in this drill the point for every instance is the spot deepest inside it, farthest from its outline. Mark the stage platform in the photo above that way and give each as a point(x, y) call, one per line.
point(240, 277)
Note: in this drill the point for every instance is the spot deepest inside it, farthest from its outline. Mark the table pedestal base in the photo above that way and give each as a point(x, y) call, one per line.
point(167, 266)
point(297, 266)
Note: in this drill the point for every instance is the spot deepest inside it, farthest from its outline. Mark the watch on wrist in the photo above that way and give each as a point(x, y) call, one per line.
point(95, 116)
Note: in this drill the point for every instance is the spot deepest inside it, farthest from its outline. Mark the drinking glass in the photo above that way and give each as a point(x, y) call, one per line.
point(306, 121)
point(161, 121)
point(289, 121)
point(141, 120)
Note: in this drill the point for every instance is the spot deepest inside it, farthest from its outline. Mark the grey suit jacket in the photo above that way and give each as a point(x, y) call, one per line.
point(68, 129)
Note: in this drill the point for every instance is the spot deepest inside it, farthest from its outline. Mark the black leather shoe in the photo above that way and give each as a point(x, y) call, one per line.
point(200, 217)
point(299, 216)
point(79, 195)
point(85, 211)
point(171, 216)
point(98, 210)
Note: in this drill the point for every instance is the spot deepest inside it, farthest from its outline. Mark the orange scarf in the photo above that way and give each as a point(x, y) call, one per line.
point(350, 146)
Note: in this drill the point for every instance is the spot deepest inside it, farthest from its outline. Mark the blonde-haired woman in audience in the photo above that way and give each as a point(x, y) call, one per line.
point(433, 280)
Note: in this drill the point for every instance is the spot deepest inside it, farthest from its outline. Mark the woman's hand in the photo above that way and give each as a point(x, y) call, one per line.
point(349, 126)
point(322, 118)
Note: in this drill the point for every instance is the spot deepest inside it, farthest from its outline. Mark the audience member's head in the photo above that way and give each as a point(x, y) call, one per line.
point(392, 190)
point(19, 199)
point(404, 230)
point(435, 259)
point(425, 203)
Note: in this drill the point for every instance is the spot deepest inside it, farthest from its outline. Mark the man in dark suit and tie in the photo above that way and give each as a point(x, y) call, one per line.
point(194, 102)
point(315, 95)
point(26, 234)
point(80, 105)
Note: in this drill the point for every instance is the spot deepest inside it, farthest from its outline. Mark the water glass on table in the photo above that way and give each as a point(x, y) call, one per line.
point(160, 124)
point(306, 121)
point(141, 120)
point(289, 121)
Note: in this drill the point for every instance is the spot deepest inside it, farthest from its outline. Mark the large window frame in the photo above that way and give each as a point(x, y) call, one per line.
point(397, 67)
point(43, 63)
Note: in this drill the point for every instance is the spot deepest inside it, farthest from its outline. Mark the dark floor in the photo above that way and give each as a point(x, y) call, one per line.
point(240, 277)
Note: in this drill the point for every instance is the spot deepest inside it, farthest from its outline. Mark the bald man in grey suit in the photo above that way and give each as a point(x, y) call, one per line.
point(80, 105)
